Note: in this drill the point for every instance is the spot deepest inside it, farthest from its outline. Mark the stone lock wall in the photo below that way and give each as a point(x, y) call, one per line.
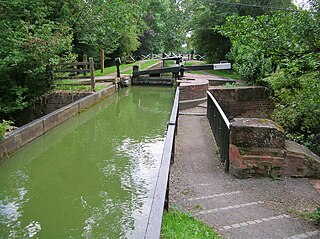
point(243, 102)
point(59, 99)
point(29, 132)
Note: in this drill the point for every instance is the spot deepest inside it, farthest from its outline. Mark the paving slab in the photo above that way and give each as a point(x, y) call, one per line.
point(237, 208)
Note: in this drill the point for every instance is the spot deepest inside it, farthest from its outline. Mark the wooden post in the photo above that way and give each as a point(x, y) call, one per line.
point(85, 60)
point(118, 63)
point(135, 70)
point(182, 71)
point(102, 60)
point(92, 74)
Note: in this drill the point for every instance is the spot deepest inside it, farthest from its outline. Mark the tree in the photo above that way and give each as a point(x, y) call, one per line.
point(36, 34)
point(30, 43)
point(163, 32)
point(206, 15)
point(282, 52)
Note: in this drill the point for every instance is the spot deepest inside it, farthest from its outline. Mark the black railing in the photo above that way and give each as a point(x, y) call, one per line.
point(220, 127)
point(160, 199)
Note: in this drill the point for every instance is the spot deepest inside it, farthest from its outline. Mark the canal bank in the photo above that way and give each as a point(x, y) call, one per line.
point(29, 132)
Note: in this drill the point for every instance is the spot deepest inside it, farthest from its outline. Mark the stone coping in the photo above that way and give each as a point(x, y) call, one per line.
point(29, 132)
point(191, 82)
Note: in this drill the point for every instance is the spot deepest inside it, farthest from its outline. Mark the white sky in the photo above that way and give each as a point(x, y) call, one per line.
point(300, 2)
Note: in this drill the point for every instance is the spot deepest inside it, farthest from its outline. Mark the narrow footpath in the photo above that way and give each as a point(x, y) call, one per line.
point(238, 209)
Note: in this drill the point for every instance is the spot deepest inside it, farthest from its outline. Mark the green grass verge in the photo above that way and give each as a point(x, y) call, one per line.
point(113, 69)
point(79, 87)
point(144, 65)
point(180, 225)
point(192, 63)
point(224, 73)
point(313, 216)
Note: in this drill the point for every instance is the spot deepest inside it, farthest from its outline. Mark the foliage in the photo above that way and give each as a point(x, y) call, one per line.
point(207, 15)
point(281, 51)
point(297, 107)
point(30, 43)
point(37, 34)
point(163, 32)
point(4, 126)
point(285, 39)
point(178, 225)
point(313, 216)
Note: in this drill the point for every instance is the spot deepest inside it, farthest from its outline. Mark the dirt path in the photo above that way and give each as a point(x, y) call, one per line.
point(252, 208)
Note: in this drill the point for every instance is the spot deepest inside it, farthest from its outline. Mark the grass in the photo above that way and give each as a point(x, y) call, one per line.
point(224, 73)
point(78, 87)
point(180, 225)
point(191, 63)
point(313, 216)
point(113, 69)
point(144, 65)
point(109, 70)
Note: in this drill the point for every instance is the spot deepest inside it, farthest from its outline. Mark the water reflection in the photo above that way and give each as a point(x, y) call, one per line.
point(92, 177)
point(11, 208)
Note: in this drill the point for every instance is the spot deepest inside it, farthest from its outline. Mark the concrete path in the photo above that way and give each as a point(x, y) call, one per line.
point(251, 208)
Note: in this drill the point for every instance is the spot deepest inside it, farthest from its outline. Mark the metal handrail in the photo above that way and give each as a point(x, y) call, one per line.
point(160, 199)
point(223, 115)
point(220, 126)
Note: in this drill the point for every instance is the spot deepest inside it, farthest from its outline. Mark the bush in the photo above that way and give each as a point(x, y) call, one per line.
point(4, 126)
point(297, 107)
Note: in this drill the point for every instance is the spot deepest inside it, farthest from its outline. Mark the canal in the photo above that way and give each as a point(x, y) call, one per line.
point(93, 176)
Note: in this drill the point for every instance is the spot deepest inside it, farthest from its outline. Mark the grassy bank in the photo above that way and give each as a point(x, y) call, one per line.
point(142, 65)
point(68, 84)
point(180, 225)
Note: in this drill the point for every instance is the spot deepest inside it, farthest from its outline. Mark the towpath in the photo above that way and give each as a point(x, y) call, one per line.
point(249, 209)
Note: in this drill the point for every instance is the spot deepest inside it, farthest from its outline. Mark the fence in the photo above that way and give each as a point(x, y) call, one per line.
point(161, 194)
point(220, 127)
point(76, 70)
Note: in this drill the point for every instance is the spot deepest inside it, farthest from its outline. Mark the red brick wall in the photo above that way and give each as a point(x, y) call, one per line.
point(192, 92)
point(246, 102)
point(256, 148)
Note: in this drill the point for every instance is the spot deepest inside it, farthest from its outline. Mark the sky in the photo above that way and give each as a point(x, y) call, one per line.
point(300, 2)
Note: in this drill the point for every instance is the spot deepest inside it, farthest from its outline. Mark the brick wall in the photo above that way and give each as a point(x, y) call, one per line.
point(193, 91)
point(247, 102)
point(256, 148)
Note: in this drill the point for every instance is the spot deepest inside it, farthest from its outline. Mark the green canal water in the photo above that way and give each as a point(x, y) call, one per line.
point(93, 176)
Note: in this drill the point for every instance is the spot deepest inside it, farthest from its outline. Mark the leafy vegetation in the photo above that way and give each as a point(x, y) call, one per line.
point(179, 225)
point(313, 216)
point(4, 127)
point(37, 34)
point(270, 43)
point(281, 51)
point(206, 15)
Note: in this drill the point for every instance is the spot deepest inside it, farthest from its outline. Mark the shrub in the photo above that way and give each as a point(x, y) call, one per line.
point(297, 106)
point(4, 126)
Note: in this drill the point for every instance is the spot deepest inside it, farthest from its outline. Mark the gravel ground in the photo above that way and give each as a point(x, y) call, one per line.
point(246, 208)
